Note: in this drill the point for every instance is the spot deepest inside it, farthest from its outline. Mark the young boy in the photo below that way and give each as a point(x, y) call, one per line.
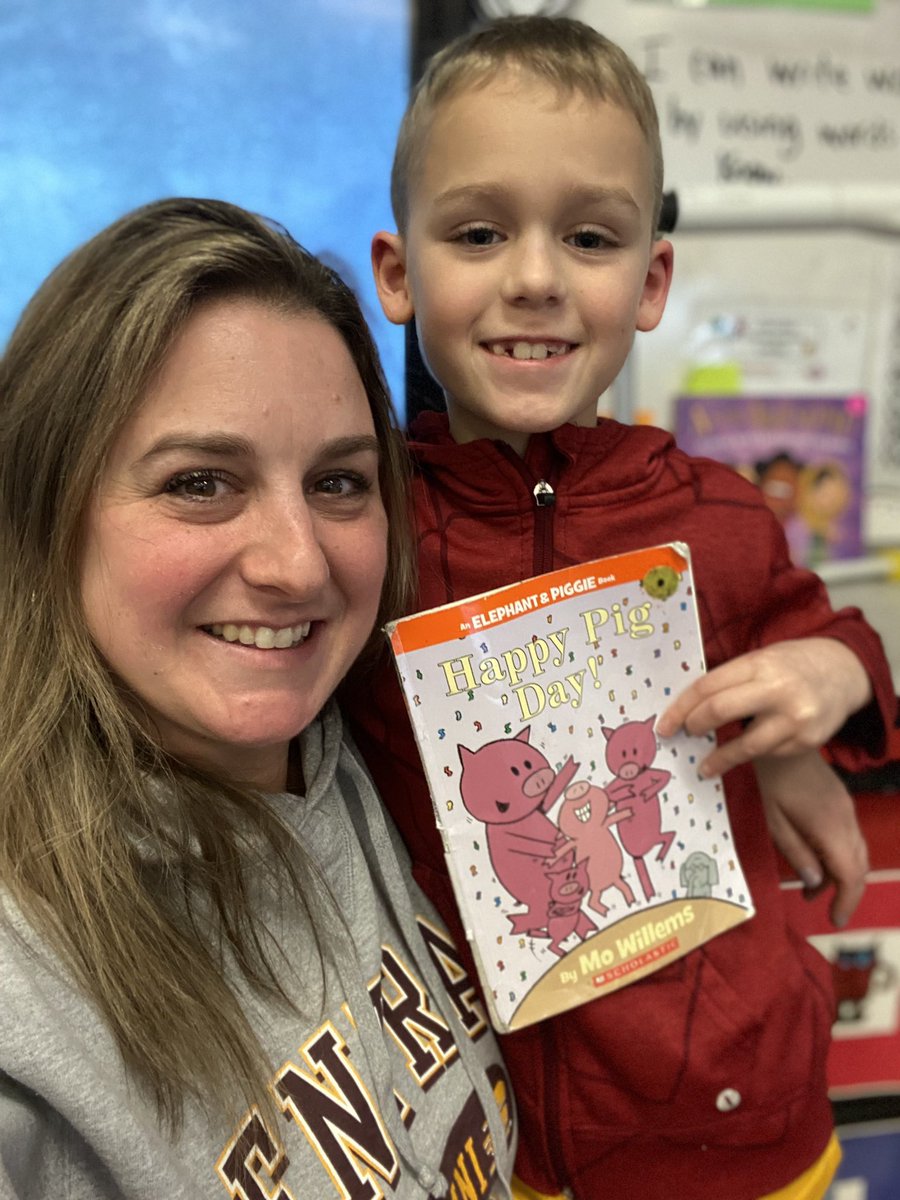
point(526, 188)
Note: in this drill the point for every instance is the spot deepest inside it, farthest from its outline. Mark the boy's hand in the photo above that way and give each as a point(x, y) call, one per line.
point(793, 696)
point(812, 819)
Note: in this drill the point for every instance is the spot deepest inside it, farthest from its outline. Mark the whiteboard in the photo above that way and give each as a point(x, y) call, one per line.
point(766, 95)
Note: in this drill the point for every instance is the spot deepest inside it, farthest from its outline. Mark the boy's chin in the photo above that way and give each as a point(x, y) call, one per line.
point(517, 421)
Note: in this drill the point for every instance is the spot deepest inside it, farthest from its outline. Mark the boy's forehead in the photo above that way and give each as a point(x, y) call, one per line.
point(512, 80)
point(476, 101)
point(475, 122)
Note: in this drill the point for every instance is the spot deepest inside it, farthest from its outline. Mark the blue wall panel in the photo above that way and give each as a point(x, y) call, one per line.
point(289, 107)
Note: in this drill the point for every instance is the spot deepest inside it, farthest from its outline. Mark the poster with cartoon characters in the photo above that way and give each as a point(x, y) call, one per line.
point(584, 852)
point(806, 455)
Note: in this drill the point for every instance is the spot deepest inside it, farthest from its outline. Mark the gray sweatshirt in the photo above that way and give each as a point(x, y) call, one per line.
point(396, 1089)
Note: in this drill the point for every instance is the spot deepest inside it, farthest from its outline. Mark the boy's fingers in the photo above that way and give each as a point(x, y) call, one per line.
point(846, 899)
point(796, 850)
point(849, 886)
point(846, 871)
point(691, 707)
point(705, 713)
point(848, 866)
point(768, 736)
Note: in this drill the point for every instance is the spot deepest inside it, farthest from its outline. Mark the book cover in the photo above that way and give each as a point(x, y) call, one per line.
point(806, 454)
point(583, 853)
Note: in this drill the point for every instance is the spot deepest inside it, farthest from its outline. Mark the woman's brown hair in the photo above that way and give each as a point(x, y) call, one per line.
point(115, 853)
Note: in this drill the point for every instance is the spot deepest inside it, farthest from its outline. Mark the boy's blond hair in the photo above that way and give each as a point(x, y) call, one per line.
point(570, 55)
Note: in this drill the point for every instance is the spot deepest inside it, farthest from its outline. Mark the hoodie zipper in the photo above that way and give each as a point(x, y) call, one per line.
point(544, 496)
point(545, 504)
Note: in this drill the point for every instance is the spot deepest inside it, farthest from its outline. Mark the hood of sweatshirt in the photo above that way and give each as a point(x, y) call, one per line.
point(488, 473)
point(334, 774)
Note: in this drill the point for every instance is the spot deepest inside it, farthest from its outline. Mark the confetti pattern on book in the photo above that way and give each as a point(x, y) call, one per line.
point(584, 851)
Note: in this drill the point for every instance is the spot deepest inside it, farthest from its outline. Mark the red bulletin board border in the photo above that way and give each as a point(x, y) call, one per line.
point(861, 1064)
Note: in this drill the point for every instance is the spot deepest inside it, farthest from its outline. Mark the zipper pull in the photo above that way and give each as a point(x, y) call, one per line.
point(544, 495)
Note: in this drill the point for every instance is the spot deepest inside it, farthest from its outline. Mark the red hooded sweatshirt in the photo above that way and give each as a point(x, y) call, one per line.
point(704, 1080)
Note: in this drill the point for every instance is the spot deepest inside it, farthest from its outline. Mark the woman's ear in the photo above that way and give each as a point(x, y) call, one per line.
point(391, 281)
point(656, 286)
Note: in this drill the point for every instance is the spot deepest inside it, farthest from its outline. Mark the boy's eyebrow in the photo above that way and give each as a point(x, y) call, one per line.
point(578, 192)
point(604, 195)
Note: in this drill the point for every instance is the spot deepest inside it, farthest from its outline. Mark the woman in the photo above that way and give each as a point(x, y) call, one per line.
point(216, 977)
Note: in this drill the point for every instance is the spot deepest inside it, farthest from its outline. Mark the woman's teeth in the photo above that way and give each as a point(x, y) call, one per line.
point(263, 637)
point(526, 350)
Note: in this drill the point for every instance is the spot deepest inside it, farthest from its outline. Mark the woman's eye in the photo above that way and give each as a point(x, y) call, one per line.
point(479, 235)
point(342, 483)
point(588, 239)
point(197, 485)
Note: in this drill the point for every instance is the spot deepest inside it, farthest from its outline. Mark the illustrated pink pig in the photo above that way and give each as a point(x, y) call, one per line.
point(586, 818)
point(630, 750)
point(509, 785)
point(568, 886)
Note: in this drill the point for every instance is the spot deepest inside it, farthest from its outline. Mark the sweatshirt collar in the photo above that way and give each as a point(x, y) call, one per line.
point(489, 471)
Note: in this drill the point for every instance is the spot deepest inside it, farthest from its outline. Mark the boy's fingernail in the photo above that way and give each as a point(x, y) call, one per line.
point(811, 877)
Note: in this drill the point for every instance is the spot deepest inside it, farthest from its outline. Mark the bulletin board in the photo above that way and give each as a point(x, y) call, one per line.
point(775, 102)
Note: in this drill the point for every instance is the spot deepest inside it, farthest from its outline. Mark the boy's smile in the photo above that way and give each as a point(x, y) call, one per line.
point(528, 262)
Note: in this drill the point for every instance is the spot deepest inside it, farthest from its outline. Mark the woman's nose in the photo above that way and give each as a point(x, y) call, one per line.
point(535, 274)
point(284, 552)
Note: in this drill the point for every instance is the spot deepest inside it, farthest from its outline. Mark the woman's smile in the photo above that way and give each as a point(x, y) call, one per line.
point(263, 637)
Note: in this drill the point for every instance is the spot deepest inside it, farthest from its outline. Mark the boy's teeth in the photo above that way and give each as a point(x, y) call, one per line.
point(527, 350)
point(264, 637)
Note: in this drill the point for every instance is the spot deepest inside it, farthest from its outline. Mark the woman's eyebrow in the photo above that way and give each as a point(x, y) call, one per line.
point(362, 443)
point(224, 445)
point(229, 445)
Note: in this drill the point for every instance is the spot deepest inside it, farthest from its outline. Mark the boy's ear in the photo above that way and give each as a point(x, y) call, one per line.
point(391, 282)
point(656, 286)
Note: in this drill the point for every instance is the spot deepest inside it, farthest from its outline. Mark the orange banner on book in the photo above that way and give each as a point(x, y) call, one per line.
point(505, 604)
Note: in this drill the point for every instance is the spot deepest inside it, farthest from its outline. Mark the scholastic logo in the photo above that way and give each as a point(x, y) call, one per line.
point(635, 964)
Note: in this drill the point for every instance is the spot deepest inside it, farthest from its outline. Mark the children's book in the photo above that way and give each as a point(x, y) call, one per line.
point(806, 453)
point(584, 853)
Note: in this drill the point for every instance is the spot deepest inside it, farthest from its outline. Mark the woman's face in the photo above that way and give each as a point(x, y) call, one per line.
point(236, 544)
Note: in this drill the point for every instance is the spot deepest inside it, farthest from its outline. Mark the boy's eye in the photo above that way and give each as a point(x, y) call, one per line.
point(479, 235)
point(588, 239)
point(200, 485)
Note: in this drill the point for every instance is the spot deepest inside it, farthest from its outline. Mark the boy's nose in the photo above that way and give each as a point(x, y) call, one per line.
point(283, 552)
point(535, 274)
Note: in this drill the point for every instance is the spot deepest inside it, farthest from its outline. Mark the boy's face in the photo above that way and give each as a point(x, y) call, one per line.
point(528, 261)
